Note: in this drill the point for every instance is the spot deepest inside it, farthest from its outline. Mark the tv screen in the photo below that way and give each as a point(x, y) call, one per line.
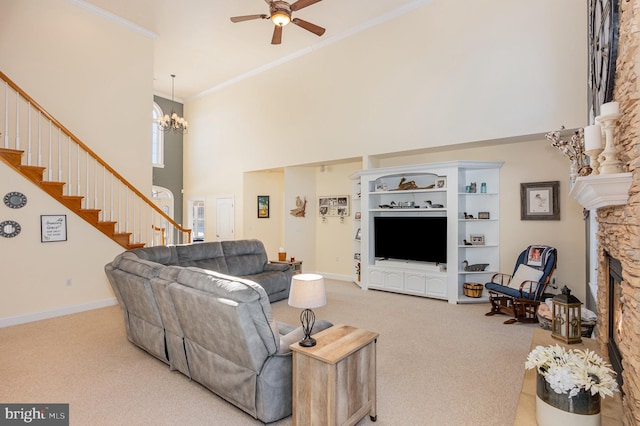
point(422, 239)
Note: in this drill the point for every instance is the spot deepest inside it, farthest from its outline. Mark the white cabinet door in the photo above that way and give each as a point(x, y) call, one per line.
point(415, 283)
point(376, 278)
point(394, 281)
point(437, 286)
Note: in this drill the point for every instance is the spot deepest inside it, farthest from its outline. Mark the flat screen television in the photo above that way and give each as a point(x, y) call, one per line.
point(423, 239)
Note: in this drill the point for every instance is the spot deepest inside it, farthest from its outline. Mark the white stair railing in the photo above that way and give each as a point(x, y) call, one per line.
point(66, 159)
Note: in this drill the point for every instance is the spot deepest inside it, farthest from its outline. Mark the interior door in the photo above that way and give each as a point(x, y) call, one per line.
point(224, 219)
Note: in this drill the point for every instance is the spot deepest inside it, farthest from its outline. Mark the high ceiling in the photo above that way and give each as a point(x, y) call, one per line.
point(196, 41)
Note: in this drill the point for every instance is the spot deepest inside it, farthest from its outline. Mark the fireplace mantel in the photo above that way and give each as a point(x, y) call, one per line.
point(594, 192)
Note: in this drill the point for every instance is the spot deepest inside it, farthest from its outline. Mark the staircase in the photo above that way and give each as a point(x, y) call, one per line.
point(65, 168)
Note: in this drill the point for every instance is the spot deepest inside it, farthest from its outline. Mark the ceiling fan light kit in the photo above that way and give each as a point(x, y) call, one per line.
point(280, 15)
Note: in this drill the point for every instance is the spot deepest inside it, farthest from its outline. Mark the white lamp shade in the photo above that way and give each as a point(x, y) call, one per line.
point(307, 291)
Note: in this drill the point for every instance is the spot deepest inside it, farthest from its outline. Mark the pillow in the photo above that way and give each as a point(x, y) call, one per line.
point(525, 273)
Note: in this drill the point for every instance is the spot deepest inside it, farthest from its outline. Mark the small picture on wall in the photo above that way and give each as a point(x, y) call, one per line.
point(263, 206)
point(539, 201)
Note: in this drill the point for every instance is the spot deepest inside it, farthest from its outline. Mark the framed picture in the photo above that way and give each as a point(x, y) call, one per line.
point(337, 205)
point(263, 206)
point(356, 256)
point(53, 228)
point(441, 183)
point(357, 216)
point(484, 215)
point(476, 239)
point(540, 201)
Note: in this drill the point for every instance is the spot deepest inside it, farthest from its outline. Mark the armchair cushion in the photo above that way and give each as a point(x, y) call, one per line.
point(525, 273)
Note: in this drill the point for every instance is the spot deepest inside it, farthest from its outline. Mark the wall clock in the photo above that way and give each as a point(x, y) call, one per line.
point(9, 228)
point(603, 51)
point(15, 200)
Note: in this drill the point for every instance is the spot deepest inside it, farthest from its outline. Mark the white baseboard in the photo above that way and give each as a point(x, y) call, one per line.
point(57, 312)
point(338, 277)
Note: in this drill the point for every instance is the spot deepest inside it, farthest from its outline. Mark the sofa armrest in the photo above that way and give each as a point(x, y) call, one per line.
point(297, 334)
point(282, 267)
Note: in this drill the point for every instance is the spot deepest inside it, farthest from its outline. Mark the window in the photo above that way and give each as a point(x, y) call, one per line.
point(157, 138)
point(197, 219)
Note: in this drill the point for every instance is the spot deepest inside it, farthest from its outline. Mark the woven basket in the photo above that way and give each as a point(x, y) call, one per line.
point(472, 289)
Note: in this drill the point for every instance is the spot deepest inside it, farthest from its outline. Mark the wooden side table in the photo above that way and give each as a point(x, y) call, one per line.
point(296, 266)
point(334, 382)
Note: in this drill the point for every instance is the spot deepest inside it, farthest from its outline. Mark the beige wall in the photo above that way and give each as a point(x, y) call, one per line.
point(439, 75)
point(95, 77)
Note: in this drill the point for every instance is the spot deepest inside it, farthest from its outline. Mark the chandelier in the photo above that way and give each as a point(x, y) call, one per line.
point(173, 122)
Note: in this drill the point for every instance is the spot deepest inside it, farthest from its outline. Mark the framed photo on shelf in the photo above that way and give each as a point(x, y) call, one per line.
point(476, 239)
point(357, 216)
point(540, 201)
point(356, 256)
point(484, 215)
point(53, 228)
point(263, 206)
point(441, 183)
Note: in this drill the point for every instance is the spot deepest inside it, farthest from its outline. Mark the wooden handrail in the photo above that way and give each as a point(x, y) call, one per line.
point(93, 154)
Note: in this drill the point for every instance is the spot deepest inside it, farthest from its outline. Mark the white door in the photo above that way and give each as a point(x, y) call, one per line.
point(163, 198)
point(224, 219)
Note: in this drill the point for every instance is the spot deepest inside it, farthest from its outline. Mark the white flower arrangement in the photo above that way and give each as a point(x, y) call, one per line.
point(573, 370)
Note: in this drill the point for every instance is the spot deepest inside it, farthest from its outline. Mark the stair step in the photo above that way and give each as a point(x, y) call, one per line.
point(74, 202)
point(13, 156)
point(107, 227)
point(134, 246)
point(122, 238)
point(53, 188)
point(90, 215)
point(34, 173)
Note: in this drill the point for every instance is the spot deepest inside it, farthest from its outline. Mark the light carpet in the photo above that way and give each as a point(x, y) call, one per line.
point(437, 364)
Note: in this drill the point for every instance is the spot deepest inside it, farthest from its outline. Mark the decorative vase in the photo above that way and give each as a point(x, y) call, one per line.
point(554, 409)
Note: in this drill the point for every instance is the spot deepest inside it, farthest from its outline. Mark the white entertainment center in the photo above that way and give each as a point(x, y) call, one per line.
point(466, 193)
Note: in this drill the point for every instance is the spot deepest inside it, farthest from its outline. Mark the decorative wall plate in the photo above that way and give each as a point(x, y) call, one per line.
point(15, 200)
point(9, 228)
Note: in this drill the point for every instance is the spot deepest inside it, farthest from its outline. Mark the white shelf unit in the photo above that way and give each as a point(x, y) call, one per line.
point(356, 208)
point(444, 184)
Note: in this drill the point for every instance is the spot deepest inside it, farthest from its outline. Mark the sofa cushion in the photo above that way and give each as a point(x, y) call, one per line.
point(245, 257)
point(237, 290)
point(203, 255)
point(165, 255)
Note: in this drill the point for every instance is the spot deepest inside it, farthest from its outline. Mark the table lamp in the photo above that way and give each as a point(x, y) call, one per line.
point(307, 291)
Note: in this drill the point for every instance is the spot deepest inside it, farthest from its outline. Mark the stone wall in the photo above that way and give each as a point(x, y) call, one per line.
point(619, 227)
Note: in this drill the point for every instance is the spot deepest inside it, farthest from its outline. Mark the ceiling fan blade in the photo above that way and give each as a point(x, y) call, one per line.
point(248, 18)
point(302, 4)
point(309, 26)
point(277, 35)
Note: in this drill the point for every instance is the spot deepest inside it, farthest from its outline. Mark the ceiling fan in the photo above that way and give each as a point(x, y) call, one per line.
point(280, 14)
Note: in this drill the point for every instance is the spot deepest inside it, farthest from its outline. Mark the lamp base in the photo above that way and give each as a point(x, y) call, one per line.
point(307, 342)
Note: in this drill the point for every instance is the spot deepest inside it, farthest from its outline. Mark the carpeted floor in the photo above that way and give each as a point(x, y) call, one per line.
point(438, 364)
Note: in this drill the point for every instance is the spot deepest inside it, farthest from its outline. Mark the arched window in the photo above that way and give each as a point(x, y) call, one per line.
point(157, 138)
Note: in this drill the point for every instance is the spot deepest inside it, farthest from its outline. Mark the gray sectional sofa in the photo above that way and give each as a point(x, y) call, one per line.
point(186, 306)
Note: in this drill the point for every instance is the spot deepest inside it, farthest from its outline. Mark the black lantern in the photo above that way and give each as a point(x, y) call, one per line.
point(566, 322)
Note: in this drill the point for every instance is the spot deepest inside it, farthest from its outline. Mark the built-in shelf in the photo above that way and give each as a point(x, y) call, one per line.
point(594, 192)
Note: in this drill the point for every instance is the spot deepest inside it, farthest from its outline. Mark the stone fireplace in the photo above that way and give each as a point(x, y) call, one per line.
point(616, 199)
